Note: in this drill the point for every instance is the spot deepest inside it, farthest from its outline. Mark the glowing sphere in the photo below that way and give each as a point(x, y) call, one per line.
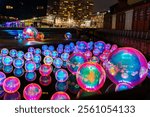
point(88, 55)
point(7, 60)
point(30, 76)
point(54, 54)
point(60, 96)
point(123, 87)
point(82, 46)
point(45, 47)
point(60, 46)
point(47, 53)
point(18, 72)
point(45, 70)
point(18, 63)
point(4, 51)
point(100, 45)
point(13, 53)
point(65, 56)
point(2, 78)
point(51, 48)
point(95, 59)
point(30, 33)
point(7, 69)
point(32, 92)
point(31, 49)
point(107, 47)
point(113, 48)
point(37, 58)
point(68, 36)
point(96, 52)
point(75, 60)
point(45, 80)
point(28, 56)
point(11, 84)
point(61, 75)
point(91, 76)
point(20, 54)
point(61, 86)
point(57, 62)
point(48, 60)
point(40, 36)
point(30, 66)
point(12, 96)
point(37, 51)
point(127, 65)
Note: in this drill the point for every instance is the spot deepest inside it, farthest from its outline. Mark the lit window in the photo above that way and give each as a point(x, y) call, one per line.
point(9, 7)
point(40, 7)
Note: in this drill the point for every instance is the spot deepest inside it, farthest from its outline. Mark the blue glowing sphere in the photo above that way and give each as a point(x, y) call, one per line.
point(31, 49)
point(60, 46)
point(45, 47)
point(4, 52)
point(37, 58)
point(75, 60)
point(60, 50)
point(82, 46)
point(13, 53)
point(20, 54)
point(30, 76)
point(28, 56)
point(54, 54)
point(18, 63)
point(61, 86)
point(51, 48)
point(123, 87)
point(61, 75)
point(65, 56)
point(127, 65)
point(47, 53)
point(57, 62)
point(2, 78)
point(30, 66)
point(8, 69)
point(68, 36)
point(96, 52)
point(37, 51)
point(7, 60)
point(18, 72)
point(100, 45)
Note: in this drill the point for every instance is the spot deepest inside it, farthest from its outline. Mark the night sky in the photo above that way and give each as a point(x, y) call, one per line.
point(101, 5)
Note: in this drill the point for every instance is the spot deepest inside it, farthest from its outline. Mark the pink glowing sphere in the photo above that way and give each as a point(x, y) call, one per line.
point(32, 92)
point(60, 96)
point(88, 55)
point(91, 76)
point(45, 80)
point(45, 70)
point(11, 84)
point(127, 65)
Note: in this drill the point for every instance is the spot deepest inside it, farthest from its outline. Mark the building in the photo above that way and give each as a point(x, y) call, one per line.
point(23, 9)
point(129, 15)
point(53, 7)
point(84, 9)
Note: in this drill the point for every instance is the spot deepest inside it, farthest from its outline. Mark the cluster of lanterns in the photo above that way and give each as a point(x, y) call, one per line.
point(88, 64)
